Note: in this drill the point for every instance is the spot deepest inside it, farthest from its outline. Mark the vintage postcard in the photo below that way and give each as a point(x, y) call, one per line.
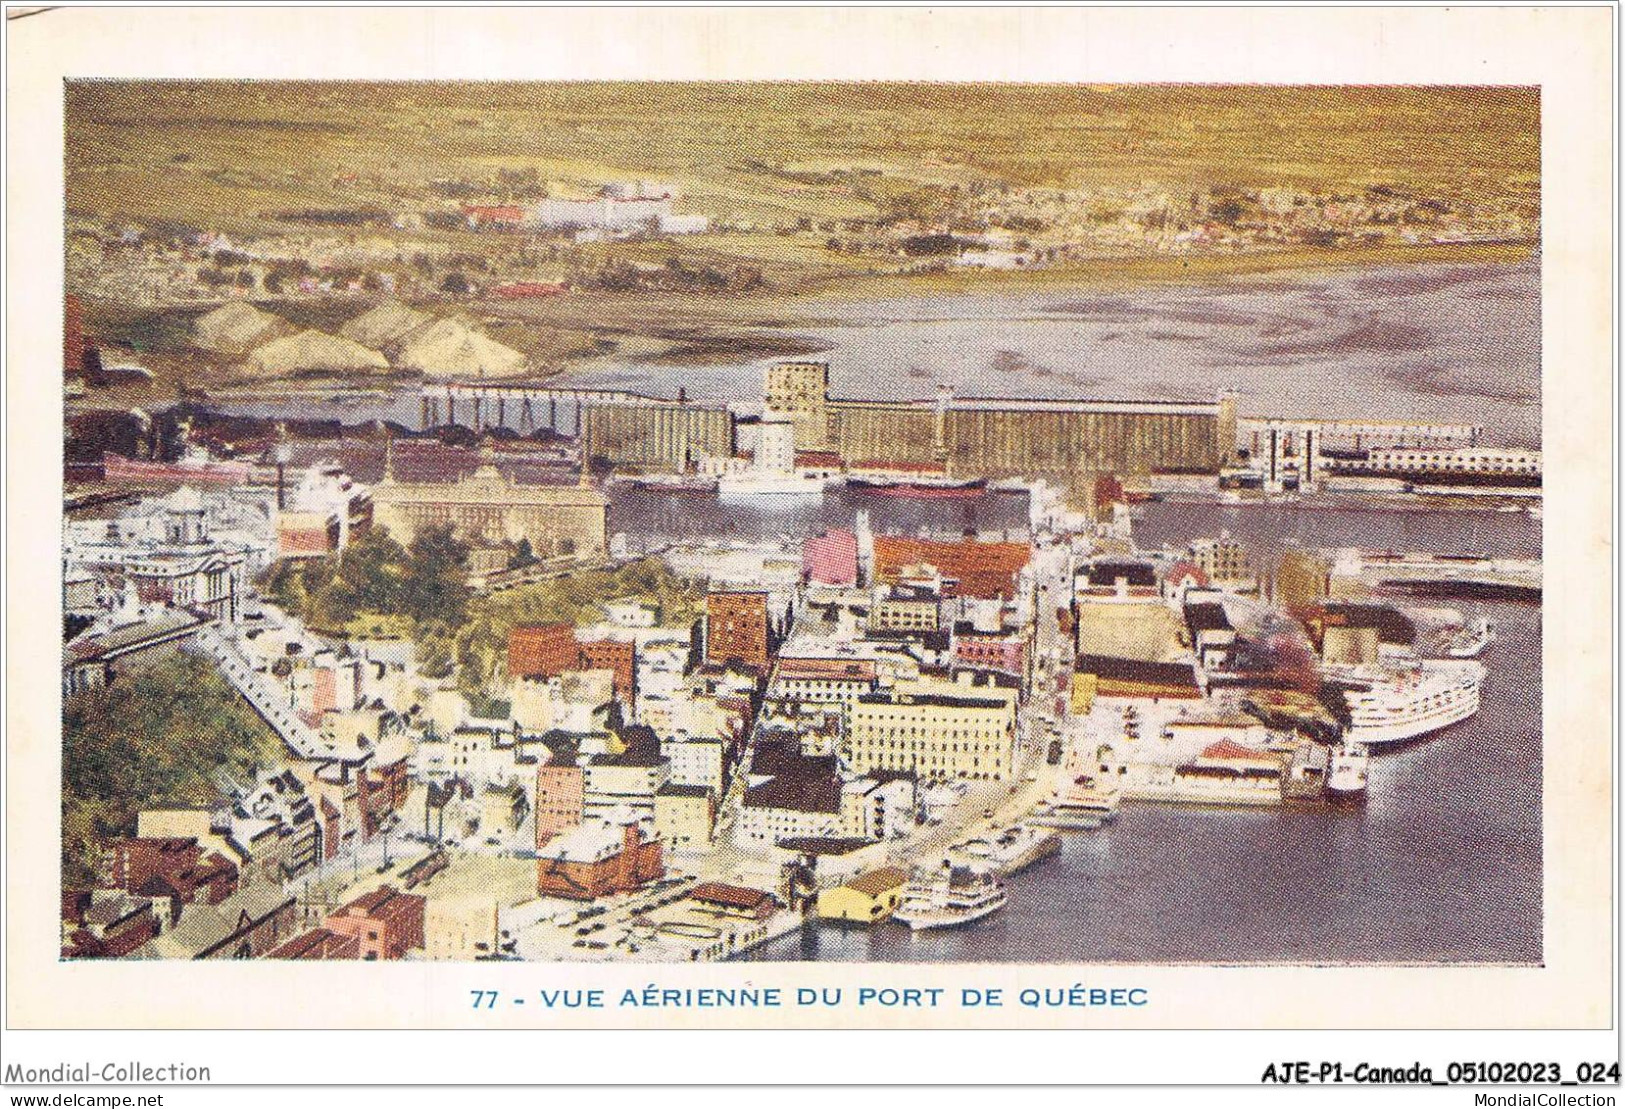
point(872, 537)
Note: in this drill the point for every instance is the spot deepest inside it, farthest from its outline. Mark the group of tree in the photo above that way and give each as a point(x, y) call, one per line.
point(454, 630)
point(424, 581)
point(166, 737)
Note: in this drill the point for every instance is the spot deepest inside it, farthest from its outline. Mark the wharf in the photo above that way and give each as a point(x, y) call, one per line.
point(1447, 575)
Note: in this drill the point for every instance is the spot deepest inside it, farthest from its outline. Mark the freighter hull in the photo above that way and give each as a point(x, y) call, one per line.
point(115, 467)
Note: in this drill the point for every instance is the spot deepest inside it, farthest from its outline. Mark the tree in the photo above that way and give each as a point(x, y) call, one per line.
point(162, 737)
point(436, 651)
point(373, 567)
point(523, 555)
point(434, 586)
point(284, 584)
point(917, 245)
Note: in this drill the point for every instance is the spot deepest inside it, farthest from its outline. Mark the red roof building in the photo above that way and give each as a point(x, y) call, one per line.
point(529, 290)
point(541, 650)
point(548, 650)
point(596, 860)
point(318, 943)
point(734, 900)
point(736, 629)
point(486, 215)
point(984, 570)
point(1229, 750)
point(385, 923)
point(619, 656)
point(170, 866)
point(560, 799)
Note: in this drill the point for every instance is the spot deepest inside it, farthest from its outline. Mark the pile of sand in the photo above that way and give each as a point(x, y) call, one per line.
point(390, 322)
point(237, 328)
point(451, 348)
point(314, 350)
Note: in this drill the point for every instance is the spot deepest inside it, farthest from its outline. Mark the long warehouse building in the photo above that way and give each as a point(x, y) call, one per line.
point(1063, 440)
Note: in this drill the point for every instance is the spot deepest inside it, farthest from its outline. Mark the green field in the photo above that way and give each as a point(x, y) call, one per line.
point(783, 166)
point(227, 151)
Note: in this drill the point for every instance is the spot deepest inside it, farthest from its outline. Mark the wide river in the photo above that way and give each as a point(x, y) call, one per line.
point(1444, 863)
point(1441, 343)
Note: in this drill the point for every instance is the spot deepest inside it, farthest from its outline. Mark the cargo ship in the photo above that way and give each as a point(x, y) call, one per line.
point(923, 487)
point(195, 466)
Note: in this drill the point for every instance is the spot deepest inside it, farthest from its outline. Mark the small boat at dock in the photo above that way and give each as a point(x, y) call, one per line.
point(948, 897)
point(1347, 779)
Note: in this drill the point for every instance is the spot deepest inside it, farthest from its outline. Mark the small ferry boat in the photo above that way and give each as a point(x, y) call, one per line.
point(948, 897)
point(1346, 780)
point(1011, 850)
point(1472, 640)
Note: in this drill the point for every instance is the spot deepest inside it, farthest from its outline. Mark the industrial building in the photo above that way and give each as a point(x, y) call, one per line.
point(1060, 440)
point(659, 435)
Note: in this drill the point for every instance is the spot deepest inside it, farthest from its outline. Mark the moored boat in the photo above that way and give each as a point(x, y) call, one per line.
point(949, 896)
point(1397, 700)
point(753, 484)
point(673, 483)
point(1009, 851)
point(925, 487)
point(1472, 640)
point(1347, 778)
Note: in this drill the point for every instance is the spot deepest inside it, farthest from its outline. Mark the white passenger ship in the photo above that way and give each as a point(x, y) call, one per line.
point(1402, 698)
point(949, 896)
point(754, 484)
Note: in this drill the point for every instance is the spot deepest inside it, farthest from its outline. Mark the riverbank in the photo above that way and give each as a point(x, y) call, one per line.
point(587, 332)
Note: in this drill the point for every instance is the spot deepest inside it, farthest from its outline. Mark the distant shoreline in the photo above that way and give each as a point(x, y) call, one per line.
point(1160, 269)
point(669, 328)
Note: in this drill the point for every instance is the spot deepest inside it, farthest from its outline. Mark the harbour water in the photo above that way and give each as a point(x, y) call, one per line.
point(1442, 865)
point(1456, 343)
point(651, 519)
